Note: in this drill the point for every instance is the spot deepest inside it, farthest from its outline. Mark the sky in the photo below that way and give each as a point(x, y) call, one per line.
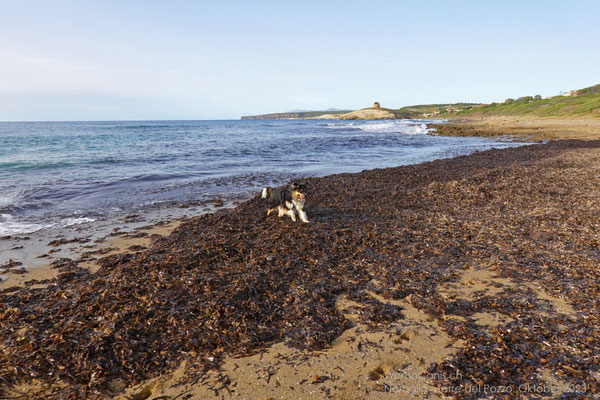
point(153, 60)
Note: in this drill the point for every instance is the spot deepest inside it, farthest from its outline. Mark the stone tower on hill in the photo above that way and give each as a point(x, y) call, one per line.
point(376, 105)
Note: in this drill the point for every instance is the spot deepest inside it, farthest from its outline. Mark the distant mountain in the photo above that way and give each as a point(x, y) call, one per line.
point(293, 114)
point(308, 111)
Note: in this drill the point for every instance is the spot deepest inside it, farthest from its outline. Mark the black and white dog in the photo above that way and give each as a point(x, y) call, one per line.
point(286, 200)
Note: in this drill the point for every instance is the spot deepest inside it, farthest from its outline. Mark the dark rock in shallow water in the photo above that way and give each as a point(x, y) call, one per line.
point(62, 241)
point(11, 264)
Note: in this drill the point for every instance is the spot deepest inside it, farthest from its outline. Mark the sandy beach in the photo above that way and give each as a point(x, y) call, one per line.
point(477, 274)
point(526, 128)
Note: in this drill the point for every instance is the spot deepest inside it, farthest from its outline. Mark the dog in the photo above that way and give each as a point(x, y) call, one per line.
point(287, 200)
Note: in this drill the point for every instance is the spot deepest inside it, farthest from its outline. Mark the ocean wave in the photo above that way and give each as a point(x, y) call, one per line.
point(141, 126)
point(6, 200)
point(407, 127)
point(26, 166)
point(10, 226)
point(74, 221)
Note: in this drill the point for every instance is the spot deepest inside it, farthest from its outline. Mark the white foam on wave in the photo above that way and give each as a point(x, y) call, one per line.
point(407, 127)
point(10, 226)
point(338, 125)
point(6, 200)
point(75, 221)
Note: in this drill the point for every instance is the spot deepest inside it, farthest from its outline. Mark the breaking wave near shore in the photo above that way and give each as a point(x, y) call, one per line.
point(403, 126)
point(55, 174)
point(10, 226)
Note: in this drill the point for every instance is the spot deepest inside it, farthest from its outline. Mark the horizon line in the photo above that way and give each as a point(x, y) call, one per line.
point(123, 120)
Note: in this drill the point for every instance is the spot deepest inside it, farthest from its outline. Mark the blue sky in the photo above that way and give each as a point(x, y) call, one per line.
point(114, 60)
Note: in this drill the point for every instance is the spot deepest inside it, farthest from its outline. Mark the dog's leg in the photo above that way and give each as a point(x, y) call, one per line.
point(280, 211)
point(299, 206)
point(269, 211)
point(292, 214)
point(302, 215)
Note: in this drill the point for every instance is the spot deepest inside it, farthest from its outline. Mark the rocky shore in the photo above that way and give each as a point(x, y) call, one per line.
point(475, 276)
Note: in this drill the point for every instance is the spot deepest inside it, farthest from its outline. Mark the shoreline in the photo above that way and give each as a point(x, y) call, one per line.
point(86, 255)
point(453, 256)
point(39, 249)
point(43, 246)
point(521, 128)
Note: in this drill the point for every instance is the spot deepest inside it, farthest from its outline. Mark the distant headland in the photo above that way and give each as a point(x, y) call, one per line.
point(582, 103)
point(368, 113)
point(375, 112)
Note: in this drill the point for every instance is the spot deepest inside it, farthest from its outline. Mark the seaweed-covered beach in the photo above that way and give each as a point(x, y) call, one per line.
point(491, 260)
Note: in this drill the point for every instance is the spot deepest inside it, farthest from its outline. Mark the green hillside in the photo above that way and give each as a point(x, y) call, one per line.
point(579, 103)
point(431, 110)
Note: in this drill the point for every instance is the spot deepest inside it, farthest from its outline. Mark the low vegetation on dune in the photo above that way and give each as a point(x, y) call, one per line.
point(433, 110)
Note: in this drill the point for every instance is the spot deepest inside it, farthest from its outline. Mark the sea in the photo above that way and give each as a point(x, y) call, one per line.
point(57, 174)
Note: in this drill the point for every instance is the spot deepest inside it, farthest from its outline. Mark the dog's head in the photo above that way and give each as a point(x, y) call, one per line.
point(298, 191)
point(298, 187)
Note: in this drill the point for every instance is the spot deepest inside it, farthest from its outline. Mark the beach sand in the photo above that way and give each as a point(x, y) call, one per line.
point(461, 276)
point(526, 128)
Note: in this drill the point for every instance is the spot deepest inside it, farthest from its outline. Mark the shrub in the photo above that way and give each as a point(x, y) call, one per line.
point(525, 99)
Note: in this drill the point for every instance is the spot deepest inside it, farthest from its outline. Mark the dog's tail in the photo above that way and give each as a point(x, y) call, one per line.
point(266, 193)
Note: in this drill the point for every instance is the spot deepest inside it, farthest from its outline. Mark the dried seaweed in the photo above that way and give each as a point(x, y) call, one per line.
point(235, 281)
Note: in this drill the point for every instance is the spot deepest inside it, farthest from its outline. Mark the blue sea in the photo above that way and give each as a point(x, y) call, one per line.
point(55, 174)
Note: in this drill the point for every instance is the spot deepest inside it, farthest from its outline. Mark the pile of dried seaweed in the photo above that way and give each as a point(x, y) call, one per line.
point(235, 281)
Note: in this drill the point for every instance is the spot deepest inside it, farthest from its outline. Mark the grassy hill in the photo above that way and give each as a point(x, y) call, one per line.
point(432, 110)
point(578, 103)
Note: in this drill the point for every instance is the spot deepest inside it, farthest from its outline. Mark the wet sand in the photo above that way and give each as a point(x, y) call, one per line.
point(42, 247)
point(86, 255)
point(522, 128)
point(469, 275)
